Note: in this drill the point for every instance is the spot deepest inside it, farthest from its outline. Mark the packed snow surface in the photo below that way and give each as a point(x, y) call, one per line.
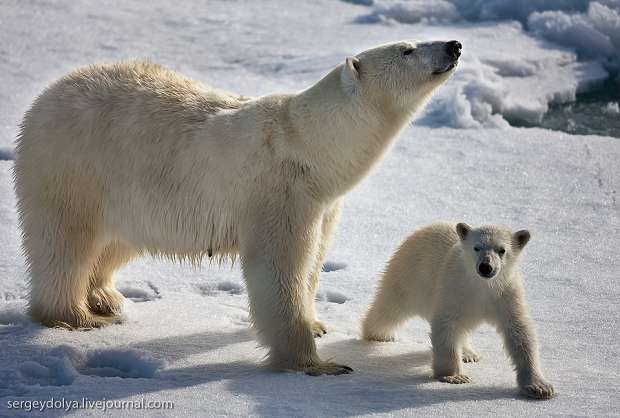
point(187, 336)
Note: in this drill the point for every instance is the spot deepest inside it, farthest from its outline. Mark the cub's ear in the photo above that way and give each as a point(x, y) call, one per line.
point(521, 238)
point(351, 71)
point(463, 230)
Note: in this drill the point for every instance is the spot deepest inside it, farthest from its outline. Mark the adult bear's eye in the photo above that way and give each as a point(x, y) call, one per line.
point(501, 251)
point(408, 51)
point(476, 249)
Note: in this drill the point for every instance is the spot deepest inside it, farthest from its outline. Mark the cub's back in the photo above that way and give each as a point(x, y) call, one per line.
point(419, 261)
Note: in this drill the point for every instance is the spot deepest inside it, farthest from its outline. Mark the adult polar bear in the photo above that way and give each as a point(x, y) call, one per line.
point(116, 160)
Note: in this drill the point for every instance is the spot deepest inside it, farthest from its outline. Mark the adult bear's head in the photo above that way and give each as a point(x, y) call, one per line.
point(400, 74)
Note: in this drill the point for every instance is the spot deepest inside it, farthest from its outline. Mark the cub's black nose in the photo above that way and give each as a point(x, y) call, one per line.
point(485, 270)
point(454, 49)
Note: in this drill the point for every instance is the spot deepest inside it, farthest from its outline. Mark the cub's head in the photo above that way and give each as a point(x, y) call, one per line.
point(401, 73)
point(491, 249)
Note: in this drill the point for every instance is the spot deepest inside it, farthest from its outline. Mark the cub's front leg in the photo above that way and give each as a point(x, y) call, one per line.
point(447, 336)
point(520, 342)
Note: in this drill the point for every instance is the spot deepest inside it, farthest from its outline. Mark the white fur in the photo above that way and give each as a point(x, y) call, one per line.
point(117, 160)
point(435, 274)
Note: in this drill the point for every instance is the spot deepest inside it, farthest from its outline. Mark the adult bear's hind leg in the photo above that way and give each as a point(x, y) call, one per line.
point(470, 355)
point(60, 254)
point(103, 298)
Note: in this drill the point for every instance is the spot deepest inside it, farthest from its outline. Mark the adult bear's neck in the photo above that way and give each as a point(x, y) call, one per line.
point(345, 135)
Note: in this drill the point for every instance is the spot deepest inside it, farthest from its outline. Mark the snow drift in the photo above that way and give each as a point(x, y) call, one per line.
point(483, 93)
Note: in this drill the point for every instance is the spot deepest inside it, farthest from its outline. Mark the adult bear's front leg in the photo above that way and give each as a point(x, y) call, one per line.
point(279, 246)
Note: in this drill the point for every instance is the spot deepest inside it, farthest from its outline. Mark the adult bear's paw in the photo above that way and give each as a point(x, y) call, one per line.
point(327, 368)
point(318, 329)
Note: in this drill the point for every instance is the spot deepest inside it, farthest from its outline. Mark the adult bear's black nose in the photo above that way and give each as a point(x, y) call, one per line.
point(454, 49)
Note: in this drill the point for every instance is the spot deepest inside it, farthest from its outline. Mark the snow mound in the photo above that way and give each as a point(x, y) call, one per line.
point(479, 10)
point(594, 34)
point(493, 92)
point(612, 108)
point(410, 12)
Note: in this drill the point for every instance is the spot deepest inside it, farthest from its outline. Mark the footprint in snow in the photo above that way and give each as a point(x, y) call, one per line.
point(137, 294)
point(6, 154)
point(332, 297)
point(120, 363)
point(227, 286)
point(62, 365)
point(13, 315)
point(330, 266)
point(230, 287)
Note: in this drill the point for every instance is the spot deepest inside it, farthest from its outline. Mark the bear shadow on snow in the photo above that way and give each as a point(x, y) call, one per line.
point(380, 383)
point(377, 379)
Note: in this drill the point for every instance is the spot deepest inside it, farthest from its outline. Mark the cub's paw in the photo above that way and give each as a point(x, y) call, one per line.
point(105, 301)
point(539, 389)
point(455, 379)
point(318, 329)
point(470, 356)
point(327, 368)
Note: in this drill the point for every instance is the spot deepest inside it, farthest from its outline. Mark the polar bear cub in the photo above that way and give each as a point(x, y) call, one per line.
point(457, 277)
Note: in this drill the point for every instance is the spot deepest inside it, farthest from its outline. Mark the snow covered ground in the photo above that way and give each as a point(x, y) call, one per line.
point(187, 337)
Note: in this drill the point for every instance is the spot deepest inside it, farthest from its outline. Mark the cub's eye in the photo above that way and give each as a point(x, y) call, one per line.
point(476, 249)
point(408, 51)
point(501, 251)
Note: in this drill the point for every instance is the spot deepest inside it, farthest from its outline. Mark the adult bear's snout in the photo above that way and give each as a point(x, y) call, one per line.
point(453, 48)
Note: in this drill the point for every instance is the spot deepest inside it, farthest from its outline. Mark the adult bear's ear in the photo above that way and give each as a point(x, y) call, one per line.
point(521, 238)
point(351, 71)
point(463, 230)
